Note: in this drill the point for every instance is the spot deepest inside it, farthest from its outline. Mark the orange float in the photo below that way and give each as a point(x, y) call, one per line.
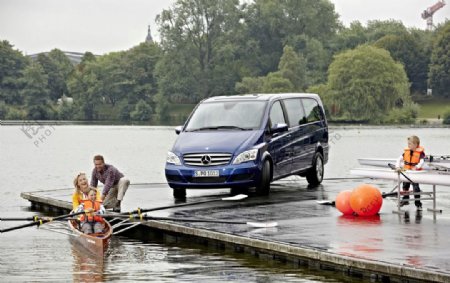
point(366, 200)
point(343, 202)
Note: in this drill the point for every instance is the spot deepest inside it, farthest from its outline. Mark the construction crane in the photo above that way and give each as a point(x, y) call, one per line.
point(429, 12)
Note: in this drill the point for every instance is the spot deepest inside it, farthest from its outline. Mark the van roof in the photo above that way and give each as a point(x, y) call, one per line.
point(261, 96)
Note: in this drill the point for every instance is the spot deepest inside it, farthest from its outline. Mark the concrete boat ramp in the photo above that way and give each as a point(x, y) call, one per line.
point(407, 247)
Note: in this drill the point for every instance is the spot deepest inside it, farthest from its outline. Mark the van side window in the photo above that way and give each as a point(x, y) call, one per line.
point(312, 110)
point(276, 114)
point(295, 113)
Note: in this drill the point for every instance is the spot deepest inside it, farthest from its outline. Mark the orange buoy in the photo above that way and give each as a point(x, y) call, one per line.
point(366, 200)
point(343, 202)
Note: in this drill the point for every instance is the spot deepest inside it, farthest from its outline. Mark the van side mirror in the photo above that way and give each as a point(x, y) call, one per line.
point(278, 128)
point(178, 129)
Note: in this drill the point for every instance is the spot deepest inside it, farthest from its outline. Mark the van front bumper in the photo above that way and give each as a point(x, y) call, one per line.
point(242, 175)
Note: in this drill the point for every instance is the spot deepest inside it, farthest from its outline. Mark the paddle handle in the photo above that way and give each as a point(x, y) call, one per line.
point(19, 218)
point(40, 222)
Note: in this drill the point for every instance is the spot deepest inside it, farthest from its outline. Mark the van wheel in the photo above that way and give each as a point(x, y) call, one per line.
point(314, 176)
point(179, 193)
point(263, 187)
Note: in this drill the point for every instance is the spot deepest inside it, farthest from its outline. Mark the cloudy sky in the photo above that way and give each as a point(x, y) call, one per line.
point(102, 26)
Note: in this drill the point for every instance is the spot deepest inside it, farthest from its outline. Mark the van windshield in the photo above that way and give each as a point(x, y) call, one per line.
point(239, 115)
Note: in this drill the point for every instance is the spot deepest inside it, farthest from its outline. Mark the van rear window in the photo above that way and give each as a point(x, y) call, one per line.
point(295, 112)
point(312, 110)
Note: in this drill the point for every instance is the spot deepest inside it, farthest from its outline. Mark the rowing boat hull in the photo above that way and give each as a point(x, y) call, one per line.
point(95, 244)
point(421, 177)
point(384, 162)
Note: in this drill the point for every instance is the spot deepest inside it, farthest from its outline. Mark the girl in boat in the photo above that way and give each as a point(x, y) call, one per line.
point(91, 222)
point(82, 188)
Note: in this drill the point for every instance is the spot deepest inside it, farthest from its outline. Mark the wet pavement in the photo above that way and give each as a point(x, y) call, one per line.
point(413, 239)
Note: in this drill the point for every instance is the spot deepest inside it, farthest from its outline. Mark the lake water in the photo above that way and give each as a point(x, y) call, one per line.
point(47, 158)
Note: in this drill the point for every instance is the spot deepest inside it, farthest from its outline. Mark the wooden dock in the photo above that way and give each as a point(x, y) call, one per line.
point(308, 235)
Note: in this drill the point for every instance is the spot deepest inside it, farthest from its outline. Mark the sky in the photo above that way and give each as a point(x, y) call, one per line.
point(103, 26)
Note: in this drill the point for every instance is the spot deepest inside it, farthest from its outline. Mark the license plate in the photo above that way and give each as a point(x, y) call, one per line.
point(206, 173)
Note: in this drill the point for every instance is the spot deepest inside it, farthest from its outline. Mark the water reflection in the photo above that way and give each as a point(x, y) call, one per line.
point(86, 266)
point(417, 217)
point(362, 236)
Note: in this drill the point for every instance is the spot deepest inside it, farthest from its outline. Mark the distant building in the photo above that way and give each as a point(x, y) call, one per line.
point(74, 57)
point(149, 38)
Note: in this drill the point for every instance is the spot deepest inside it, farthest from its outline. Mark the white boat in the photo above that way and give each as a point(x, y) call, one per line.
point(440, 163)
point(421, 177)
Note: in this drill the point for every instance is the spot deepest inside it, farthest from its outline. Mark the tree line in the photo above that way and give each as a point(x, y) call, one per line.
point(225, 47)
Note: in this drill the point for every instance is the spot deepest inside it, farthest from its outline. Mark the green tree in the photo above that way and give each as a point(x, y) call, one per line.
point(293, 68)
point(139, 64)
point(12, 65)
point(407, 50)
point(193, 33)
point(250, 85)
point(276, 83)
point(289, 77)
point(439, 76)
point(58, 68)
point(83, 87)
point(377, 29)
point(350, 38)
point(366, 83)
point(273, 24)
point(162, 108)
point(36, 92)
point(142, 111)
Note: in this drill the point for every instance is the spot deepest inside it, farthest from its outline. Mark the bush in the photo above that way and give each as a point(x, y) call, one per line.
point(66, 112)
point(15, 114)
point(142, 111)
point(446, 118)
point(405, 115)
point(3, 110)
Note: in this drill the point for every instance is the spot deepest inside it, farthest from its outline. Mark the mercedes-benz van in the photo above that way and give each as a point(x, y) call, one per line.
point(247, 141)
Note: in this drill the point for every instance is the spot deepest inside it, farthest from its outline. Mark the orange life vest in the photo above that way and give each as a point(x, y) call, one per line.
point(411, 160)
point(91, 217)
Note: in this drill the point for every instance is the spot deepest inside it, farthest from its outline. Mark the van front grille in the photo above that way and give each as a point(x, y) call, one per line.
point(206, 159)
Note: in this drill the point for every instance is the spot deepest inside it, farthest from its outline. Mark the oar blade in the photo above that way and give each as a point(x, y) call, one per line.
point(262, 224)
point(236, 197)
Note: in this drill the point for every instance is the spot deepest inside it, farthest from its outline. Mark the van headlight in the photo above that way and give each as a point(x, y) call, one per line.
point(245, 156)
point(172, 158)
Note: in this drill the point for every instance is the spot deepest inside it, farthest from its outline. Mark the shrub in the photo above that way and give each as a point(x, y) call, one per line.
point(446, 118)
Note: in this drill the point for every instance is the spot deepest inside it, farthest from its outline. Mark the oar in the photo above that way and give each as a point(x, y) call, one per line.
point(329, 202)
point(34, 218)
point(40, 222)
point(141, 210)
point(249, 223)
point(393, 167)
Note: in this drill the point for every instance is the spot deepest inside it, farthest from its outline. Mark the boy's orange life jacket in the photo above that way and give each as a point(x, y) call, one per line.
point(91, 217)
point(411, 160)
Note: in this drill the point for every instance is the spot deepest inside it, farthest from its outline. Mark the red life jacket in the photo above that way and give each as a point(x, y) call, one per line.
point(91, 217)
point(411, 160)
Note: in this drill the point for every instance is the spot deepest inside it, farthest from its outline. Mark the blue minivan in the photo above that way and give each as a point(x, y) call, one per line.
point(245, 141)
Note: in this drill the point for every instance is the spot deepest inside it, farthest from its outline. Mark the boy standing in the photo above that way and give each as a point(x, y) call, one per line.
point(413, 159)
